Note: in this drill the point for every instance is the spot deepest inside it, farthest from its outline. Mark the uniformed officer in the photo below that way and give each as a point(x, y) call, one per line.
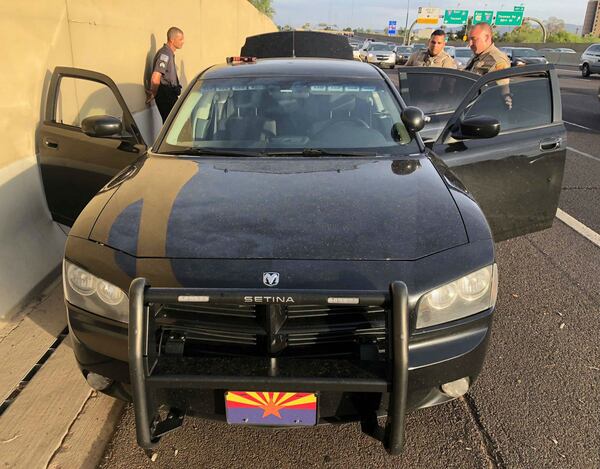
point(487, 58)
point(164, 83)
point(434, 55)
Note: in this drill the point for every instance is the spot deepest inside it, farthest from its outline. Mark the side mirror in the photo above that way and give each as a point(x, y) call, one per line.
point(101, 126)
point(477, 127)
point(413, 119)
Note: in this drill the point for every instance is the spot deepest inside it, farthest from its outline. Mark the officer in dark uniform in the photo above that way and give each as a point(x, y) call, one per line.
point(164, 83)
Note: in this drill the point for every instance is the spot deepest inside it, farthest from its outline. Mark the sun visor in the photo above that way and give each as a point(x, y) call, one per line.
point(297, 44)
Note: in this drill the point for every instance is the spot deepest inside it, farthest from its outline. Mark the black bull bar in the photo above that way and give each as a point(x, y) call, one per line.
point(147, 376)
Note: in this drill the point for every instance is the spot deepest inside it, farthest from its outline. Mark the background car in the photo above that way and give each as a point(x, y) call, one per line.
point(524, 56)
point(355, 51)
point(402, 54)
point(462, 56)
point(451, 51)
point(547, 49)
point(565, 50)
point(379, 53)
point(417, 47)
point(590, 61)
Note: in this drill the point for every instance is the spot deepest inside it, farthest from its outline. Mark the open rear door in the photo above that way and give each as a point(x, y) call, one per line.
point(75, 166)
point(515, 176)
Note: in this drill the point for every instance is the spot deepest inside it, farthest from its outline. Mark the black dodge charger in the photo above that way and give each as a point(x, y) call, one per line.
point(293, 249)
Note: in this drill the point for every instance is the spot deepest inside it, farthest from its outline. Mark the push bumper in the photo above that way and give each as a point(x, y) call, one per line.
point(149, 372)
point(352, 390)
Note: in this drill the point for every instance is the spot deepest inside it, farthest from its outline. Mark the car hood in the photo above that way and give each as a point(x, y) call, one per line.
point(281, 208)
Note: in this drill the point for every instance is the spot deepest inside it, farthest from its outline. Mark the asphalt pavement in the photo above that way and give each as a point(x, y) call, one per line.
point(536, 402)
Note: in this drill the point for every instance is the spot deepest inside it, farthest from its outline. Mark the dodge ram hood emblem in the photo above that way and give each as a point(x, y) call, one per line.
point(271, 279)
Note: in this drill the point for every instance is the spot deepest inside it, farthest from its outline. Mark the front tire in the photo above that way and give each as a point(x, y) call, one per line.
point(585, 70)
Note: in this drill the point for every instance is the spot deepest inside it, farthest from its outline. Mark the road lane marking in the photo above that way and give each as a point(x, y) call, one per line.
point(580, 126)
point(583, 230)
point(587, 155)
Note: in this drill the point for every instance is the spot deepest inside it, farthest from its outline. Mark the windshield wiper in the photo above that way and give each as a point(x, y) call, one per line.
point(315, 152)
point(199, 151)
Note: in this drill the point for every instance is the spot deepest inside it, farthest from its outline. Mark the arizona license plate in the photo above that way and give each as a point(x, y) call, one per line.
point(271, 408)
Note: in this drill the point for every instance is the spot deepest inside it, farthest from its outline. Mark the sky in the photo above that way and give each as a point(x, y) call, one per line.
point(375, 14)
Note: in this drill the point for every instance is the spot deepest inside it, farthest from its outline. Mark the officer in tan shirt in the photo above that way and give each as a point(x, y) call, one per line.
point(434, 55)
point(487, 58)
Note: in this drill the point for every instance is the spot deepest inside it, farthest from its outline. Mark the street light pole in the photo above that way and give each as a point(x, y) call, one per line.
point(406, 22)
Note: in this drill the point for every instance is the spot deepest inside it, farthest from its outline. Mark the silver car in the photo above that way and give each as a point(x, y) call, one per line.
point(402, 54)
point(379, 53)
point(590, 61)
point(462, 55)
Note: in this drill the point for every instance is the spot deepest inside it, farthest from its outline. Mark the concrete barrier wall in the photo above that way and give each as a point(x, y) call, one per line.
point(115, 37)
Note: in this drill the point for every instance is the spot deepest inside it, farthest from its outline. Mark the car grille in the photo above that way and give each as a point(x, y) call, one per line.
point(383, 57)
point(275, 330)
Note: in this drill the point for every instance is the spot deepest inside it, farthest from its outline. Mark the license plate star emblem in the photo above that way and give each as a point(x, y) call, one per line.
point(271, 408)
point(271, 279)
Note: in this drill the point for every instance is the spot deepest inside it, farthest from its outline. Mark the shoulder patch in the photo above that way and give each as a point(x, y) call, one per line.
point(162, 65)
point(164, 58)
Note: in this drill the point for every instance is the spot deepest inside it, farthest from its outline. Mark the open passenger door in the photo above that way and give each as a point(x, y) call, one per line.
point(515, 174)
point(78, 154)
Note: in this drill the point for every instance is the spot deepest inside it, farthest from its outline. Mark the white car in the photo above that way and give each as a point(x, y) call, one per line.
point(379, 53)
point(590, 61)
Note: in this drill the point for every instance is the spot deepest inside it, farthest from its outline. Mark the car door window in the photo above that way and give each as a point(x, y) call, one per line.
point(436, 91)
point(531, 102)
point(433, 93)
point(80, 98)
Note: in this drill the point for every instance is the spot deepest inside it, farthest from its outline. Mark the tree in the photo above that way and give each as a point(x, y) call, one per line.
point(523, 33)
point(554, 25)
point(306, 26)
point(264, 6)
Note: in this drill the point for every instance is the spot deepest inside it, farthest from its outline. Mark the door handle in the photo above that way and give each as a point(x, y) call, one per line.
point(550, 144)
point(51, 144)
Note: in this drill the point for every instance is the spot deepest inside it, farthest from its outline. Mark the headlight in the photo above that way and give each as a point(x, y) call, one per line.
point(371, 54)
point(468, 295)
point(81, 281)
point(94, 294)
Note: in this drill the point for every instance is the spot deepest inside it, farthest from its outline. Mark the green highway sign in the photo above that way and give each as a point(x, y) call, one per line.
point(456, 16)
point(519, 8)
point(483, 16)
point(509, 18)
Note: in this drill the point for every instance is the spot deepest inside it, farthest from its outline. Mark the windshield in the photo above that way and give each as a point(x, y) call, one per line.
point(263, 114)
point(464, 53)
point(525, 53)
point(404, 49)
point(375, 46)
